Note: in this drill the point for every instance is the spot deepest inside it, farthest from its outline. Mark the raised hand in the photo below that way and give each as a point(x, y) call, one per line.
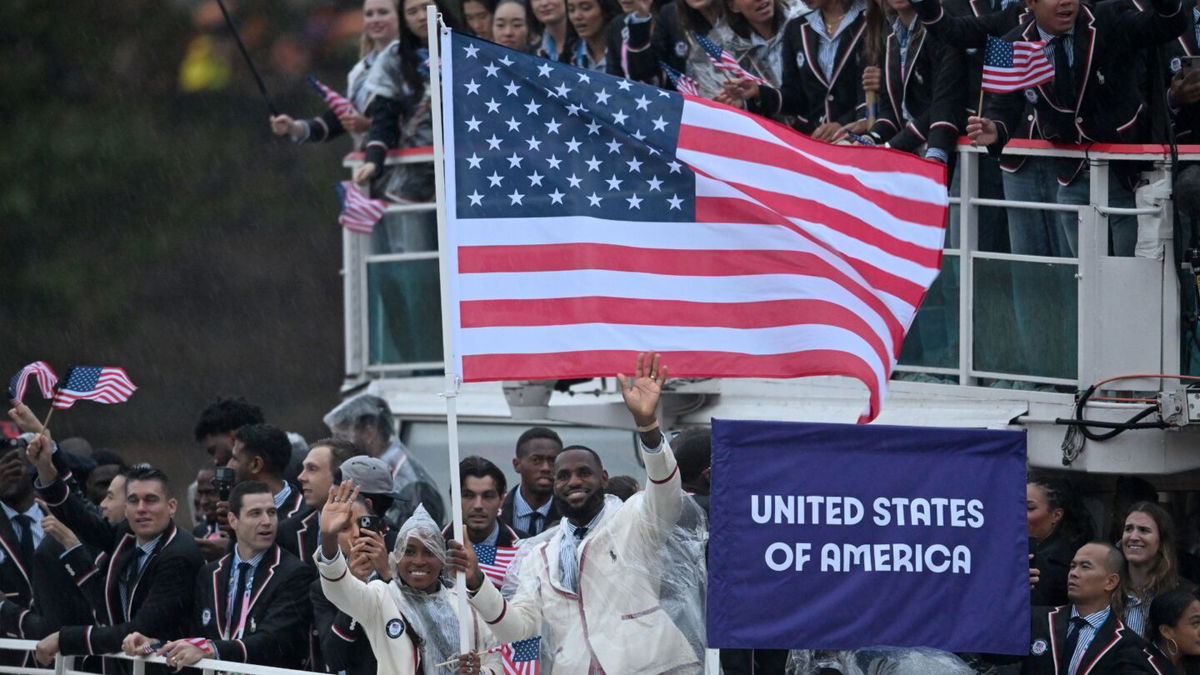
point(40, 454)
point(336, 515)
point(642, 391)
point(24, 418)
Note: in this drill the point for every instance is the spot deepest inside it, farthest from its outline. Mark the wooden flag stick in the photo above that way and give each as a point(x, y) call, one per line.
point(871, 100)
point(979, 106)
point(46, 422)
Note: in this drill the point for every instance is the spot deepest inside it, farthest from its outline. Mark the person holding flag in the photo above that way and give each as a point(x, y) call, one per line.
point(821, 79)
point(593, 586)
point(381, 27)
point(1094, 96)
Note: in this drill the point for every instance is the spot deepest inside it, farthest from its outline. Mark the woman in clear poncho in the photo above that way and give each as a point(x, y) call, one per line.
point(410, 621)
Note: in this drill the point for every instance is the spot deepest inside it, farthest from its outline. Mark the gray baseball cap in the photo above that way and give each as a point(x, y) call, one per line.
point(370, 474)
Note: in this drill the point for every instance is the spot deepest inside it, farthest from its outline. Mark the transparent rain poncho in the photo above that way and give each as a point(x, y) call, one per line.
point(432, 615)
point(877, 661)
point(412, 482)
point(642, 584)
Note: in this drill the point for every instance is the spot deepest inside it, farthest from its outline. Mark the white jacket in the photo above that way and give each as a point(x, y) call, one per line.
point(616, 620)
point(376, 605)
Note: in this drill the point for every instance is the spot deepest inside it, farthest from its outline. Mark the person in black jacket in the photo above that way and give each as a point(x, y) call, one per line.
point(1094, 97)
point(1058, 526)
point(1087, 637)
point(482, 488)
point(922, 99)
point(530, 506)
point(149, 572)
point(821, 88)
point(298, 534)
point(252, 605)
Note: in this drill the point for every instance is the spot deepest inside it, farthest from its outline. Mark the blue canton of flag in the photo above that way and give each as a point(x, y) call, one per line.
point(525, 650)
point(536, 138)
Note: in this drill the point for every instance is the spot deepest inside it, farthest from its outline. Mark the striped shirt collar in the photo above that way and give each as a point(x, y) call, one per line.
point(281, 497)
point(237, 558)
point(1095, 619)
point(522, 509)
point(569, 528)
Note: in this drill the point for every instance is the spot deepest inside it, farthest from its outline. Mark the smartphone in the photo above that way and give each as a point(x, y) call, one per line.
point(372, 523)
point(223, 478)
point(1189, 66)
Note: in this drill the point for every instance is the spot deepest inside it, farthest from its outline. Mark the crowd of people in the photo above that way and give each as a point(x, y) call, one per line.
point(336, 556)
point(876, 72)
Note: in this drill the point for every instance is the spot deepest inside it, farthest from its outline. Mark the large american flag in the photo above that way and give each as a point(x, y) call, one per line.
point(94, 383)
point(592, 217)
point(1013, 66)
point(340, 105)
point(520, 658)
point(46, 379)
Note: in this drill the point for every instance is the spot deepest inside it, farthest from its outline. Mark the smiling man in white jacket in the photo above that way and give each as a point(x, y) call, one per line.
point(592, 587)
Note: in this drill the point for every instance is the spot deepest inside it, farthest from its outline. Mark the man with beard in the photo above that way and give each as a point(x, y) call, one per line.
point(592, 589)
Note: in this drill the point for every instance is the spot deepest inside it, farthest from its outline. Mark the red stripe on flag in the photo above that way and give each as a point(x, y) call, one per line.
point(718, 142)
point(627, 311)
point(602, 363)
point(720, 210)
point(865, 159)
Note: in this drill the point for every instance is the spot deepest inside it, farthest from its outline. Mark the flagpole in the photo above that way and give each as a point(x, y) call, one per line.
point(246, 55)
point(451, 365)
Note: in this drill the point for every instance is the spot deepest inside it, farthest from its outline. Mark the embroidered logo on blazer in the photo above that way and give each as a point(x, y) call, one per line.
point(1176, 65)
point(395, 628)
point(206, 616)
point(1031, 96)
point(681, 48)
point(1038, 647)
point(799, 59)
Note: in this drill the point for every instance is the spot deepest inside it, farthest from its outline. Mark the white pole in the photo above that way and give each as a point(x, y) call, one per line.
point(444, 253)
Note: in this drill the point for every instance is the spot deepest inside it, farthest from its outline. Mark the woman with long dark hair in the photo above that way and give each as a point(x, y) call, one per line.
point(1173, 631)
point(1151, 549)
point(822, 65)
point(589, 18)
point(669, 37)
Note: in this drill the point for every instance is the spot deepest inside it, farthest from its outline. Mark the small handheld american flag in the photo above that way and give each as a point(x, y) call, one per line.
point(683, 83)
point(520, 658)
point(46, 379)
point(1013, 66)
point(94, 383)
point(359, 212)
point(340, 105)
point(723, 60)
point(494, 561)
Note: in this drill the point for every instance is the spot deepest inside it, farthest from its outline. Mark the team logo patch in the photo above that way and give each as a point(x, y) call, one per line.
point(206, 616)
point(799, 59)
point(1038, 647)
point(1031, 96)
point(395, 628)
point(681, 49)
point(1176, 65)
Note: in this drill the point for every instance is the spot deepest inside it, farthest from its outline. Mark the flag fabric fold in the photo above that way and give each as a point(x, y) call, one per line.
point(359, 212)
point(46, 379)
point(1013, 66)
point(94, 383)
point(340, 105)
point(590, 218)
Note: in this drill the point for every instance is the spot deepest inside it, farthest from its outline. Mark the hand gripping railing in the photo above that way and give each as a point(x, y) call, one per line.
point(65, 665)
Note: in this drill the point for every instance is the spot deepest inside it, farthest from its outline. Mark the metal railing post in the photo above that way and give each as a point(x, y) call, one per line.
point(968, 238)
point(1092, 229)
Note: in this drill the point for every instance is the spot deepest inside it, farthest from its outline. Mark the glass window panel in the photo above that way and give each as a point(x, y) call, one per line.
point(404, 312)
point(1026, 318)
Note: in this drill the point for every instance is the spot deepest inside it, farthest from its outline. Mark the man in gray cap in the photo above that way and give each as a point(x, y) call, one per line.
point(367, 420)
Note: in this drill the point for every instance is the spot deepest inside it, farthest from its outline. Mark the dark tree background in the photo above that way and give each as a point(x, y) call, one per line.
point(148, 218)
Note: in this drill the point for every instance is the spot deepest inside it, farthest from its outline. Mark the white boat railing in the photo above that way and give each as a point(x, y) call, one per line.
point(65, 665)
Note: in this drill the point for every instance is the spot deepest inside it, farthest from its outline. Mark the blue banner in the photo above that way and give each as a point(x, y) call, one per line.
point(833, 536)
